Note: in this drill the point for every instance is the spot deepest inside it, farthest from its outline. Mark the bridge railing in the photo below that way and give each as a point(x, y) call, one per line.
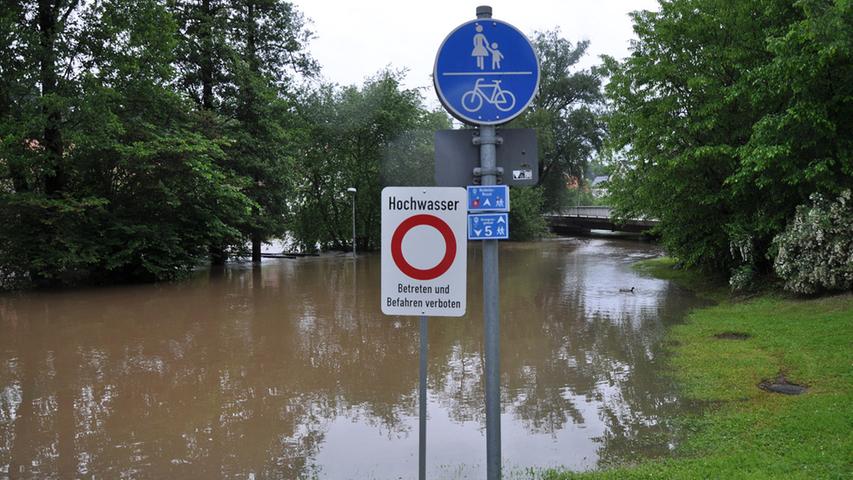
point(597, 212)
point(594, 218)
point(589, 212)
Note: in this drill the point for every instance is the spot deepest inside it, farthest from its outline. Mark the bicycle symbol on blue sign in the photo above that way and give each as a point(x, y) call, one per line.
point(486, 72)
point(473, 100)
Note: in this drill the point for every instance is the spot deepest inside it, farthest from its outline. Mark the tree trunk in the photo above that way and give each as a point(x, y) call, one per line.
point(206, 67)
point(251, 38)
point(19, 180)
point(54, 181)
point(256, 247)
point(218, 255)
point(252, 53)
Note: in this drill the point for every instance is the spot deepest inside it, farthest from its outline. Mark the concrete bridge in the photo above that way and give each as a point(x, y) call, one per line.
point(583, 219)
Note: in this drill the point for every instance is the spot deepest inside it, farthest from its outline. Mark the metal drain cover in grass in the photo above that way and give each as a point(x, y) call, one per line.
point(732, 336)
point(782, 385)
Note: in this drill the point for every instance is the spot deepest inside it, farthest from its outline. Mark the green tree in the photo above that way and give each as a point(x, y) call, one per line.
point(202, 59)
point(202, 50)
point(270, 39)
point(569, 129)
point(355, 135)
point(728, 115)
point(239, 60)
point(103, 175)
point(42, 223)
point(566, 115)
point(525, 218)
point(409, 159)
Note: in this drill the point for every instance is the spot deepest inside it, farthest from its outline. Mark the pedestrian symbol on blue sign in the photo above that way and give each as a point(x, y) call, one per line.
point(481, 47)
point(488, 198)
point(486, 72)
point(488, 226)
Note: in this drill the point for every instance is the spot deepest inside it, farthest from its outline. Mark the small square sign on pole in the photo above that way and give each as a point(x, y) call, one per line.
point(457, 155)
point(491, 198)
point(424, 251)
point(488, 226)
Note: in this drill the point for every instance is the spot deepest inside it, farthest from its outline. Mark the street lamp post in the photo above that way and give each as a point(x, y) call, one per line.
point(352, 190)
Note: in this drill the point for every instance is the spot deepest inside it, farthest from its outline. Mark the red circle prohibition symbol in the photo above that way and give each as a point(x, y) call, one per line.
point(449, 245)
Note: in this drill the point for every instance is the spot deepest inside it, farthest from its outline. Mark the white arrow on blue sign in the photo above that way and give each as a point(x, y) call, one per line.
point(488, 226)
point(489, 198)
point(486, 72)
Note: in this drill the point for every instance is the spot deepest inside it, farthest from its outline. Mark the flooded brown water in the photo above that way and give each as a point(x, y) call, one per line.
point(291, 371)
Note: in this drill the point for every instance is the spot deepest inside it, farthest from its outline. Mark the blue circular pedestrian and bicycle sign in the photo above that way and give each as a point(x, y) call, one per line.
point(486, 72)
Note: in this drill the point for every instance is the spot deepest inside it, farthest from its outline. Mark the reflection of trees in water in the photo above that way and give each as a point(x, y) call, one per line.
point(243, 371)
point(457, 382)
point(366, 364)
point(130, 382)
point(608, 352)
point(537, 351)
point(567, 357)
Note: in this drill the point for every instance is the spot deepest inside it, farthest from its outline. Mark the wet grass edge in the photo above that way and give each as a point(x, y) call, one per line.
point(746, 432)
point(706, 286)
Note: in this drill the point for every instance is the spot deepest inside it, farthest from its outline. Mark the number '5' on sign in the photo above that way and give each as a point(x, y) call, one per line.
point(488, 226)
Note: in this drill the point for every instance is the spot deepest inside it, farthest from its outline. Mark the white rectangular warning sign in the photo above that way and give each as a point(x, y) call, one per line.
point(424, 251)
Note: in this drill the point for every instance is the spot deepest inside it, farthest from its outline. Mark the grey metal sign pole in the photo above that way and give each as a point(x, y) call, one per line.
point(491, 308)
point(491, 317)
point(512, 76)
point(422, 402)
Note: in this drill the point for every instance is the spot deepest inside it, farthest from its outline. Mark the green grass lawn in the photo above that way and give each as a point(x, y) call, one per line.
point(745, 432)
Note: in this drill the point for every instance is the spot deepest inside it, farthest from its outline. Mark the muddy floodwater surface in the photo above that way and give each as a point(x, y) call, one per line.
point(291, 371)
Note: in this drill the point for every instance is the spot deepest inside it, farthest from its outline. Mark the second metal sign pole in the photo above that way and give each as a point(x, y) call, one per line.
point(422, 401)
point(491, 316)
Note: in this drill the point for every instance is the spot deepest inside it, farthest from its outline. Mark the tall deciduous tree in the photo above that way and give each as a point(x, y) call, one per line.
point(240, 60)
point(355, 137)
point(130, 191)
point(45, 45)
point(728, 115)
point(269, 37)
point(203, 51)
point(566, 114)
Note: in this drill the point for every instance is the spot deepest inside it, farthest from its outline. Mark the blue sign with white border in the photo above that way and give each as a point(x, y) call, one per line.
point(490, 198)
point(486, 72)
point(488, 226)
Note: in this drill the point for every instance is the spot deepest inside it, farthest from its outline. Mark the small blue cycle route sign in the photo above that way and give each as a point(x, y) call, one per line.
point(486, 72)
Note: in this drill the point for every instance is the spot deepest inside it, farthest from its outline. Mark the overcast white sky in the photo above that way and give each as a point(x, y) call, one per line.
point(358, 38)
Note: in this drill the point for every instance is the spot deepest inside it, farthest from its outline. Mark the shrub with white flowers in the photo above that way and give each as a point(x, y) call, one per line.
point(815, 252)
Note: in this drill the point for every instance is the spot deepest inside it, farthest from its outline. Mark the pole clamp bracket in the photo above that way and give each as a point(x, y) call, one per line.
point(478, 140)
point(498, 172)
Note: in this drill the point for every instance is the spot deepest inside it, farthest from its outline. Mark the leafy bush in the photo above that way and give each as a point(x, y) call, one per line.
point(48, 241)
point(815, 252)
point(742, 278)
point(525, 216)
